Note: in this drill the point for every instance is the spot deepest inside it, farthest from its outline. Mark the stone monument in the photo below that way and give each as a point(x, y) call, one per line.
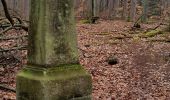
point(53, 71)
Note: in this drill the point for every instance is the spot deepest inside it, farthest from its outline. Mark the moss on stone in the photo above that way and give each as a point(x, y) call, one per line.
point(82, 98)
point(52, 42)
point(58, 83)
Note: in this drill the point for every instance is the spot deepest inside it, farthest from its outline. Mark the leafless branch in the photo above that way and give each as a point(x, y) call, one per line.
point(7, 12)
point(22, 25)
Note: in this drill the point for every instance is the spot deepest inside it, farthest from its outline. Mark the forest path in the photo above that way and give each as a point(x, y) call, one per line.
point(142, 72)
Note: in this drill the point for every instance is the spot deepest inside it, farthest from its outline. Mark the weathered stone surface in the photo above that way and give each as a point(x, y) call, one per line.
point(52, 35)
point(53, 72)
point(67, 82)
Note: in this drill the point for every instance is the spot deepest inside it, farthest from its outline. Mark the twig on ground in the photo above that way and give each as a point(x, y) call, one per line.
point(10, 38)
point(122, 37)
point(156, 27)
point(15, 48)
point(25, 28)
point(159, 40)
point(3, 26)
point(4, 87)
point(6, 30)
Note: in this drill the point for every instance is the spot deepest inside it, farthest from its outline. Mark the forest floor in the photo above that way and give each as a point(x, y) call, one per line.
point(124, 64)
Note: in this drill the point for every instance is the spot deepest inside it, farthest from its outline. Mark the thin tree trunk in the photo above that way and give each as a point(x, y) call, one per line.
point(125, 7)
point(145, 8)
point(133, 10)
point(7, 12)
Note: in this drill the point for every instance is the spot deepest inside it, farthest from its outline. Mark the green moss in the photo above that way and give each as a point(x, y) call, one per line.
point(151, 21)
point(153, 33)
point(57, 72)
point(82, 98)
point(128, 19)
point(60, 83)
point(104, 33)
point(85, 21)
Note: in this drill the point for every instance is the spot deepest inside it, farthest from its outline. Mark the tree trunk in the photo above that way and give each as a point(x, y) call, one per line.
point(145, 12)
point(125, 7)
point(133, 10)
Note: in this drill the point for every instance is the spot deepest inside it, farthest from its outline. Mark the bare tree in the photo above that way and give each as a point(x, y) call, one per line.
point(10, 19)
point(145, 8)
point(125, 7)
point(133, 10)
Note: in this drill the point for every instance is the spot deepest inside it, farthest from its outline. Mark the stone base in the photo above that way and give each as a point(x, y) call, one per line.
point(68, 82)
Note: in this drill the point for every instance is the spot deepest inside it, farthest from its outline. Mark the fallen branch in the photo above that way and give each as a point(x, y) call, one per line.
point(10, 38)
point(21, 24)
point(122, 37)
point(6, 30)
point(25, 28)
point(13, 49)
point(4, 87)
point(159, 40)
point(156, 27)
point(3, 26)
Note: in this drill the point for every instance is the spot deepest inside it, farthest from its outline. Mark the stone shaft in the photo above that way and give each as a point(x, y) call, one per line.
point(52, 35)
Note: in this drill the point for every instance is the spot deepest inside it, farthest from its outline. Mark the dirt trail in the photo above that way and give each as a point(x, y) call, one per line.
point(142, 72)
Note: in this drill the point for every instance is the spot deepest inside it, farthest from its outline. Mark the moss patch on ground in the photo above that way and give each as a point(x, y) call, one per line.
point(85, 21)
point(152, 33)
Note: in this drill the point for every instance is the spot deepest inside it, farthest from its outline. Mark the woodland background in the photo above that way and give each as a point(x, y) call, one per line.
point(126, 51)
point(129, 10)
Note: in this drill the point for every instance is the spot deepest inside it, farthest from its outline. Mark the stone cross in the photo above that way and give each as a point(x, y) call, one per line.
point(53, 71)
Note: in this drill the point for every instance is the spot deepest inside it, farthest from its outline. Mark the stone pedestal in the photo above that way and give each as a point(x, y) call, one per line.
point(67, 82)
point(53, 71)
